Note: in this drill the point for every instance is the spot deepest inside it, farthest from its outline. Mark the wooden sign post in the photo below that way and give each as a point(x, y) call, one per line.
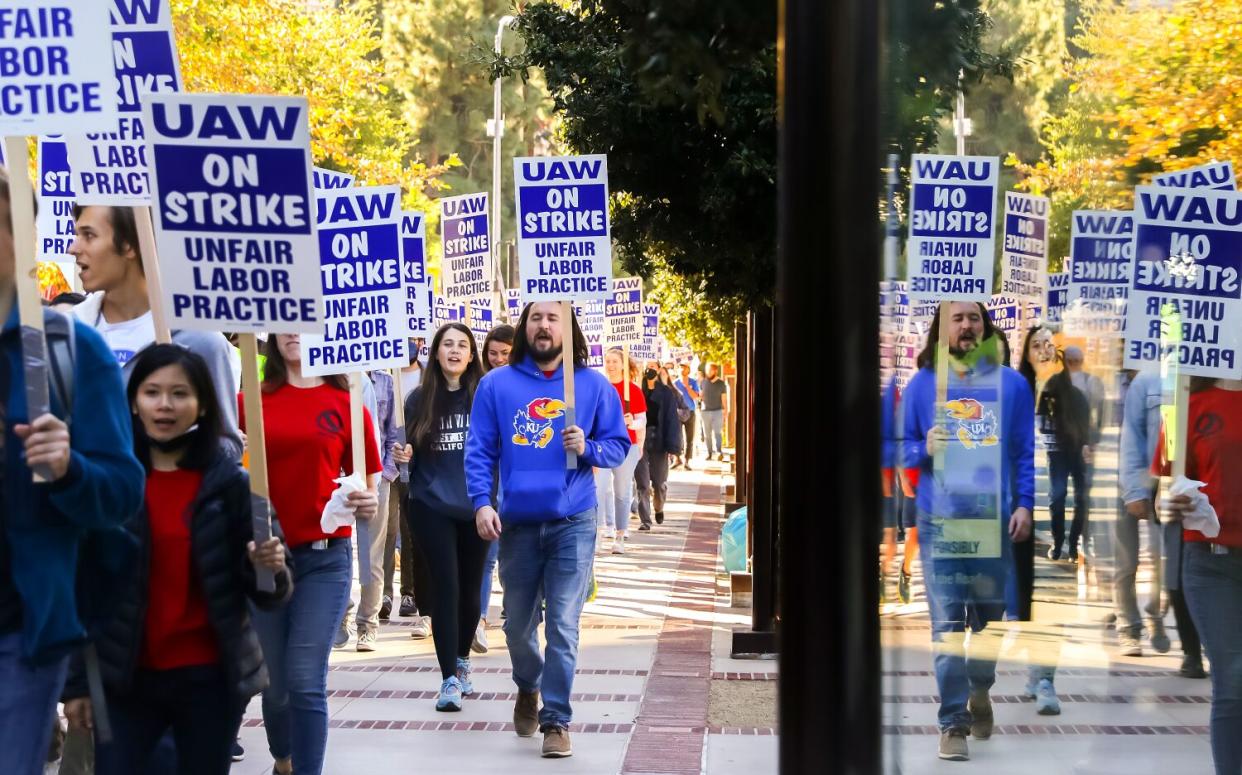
point(256, 445)
point(151, 270)
point(357, 444)
point(942, 380)
point(398, 409)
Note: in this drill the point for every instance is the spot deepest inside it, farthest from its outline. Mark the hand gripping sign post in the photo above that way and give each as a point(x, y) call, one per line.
point(950, 253)
point(564, 241)
point(231, 181)
point(1024, 250)
point(54, 222)
point(364, 300)
point(1101, 255)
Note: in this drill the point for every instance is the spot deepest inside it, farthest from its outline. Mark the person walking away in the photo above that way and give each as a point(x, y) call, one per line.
point(615, 486)
point(976, 493)
point(688, 387)
point(899, 511)
point(546, 523)
point(1139, 431)
point(715, 405)
point(49, 559)
point(1064, 426)
point(662, 439)
point(1212, 576)
point(118, 306)
point(309, 444)
point(180, 653)
point(496, 349)
point(1092, 388)
point(441, 514)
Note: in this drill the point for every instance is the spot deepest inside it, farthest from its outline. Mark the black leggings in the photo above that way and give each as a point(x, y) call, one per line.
point(455, 556)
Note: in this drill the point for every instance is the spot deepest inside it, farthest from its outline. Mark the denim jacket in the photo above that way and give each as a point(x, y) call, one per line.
point(385, 418)
point(1140, 430)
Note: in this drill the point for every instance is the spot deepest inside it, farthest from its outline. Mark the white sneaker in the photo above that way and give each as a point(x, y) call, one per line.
point(479, 646)
point(421, 628)
point(366, 639)
point(618, 544)
point(605, 537)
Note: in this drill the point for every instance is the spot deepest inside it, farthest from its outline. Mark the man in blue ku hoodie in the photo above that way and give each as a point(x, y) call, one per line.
point(976, 494)
point(546, 523)
point(94, 483)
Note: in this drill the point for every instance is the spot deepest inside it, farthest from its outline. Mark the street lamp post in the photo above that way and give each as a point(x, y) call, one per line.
point(497, 130)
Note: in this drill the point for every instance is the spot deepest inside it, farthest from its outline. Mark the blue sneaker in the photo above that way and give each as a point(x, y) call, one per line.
point(1046, 702)
point(450, 695)
point(463, 676)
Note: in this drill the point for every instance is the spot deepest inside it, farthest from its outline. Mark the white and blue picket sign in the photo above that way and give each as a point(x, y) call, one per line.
point(111, 167)
point(364, 325)
point(417, 286)
point(623, 312)
point(1101, 256)
point(564, 237)
point(951, 250)
point(466, 238)
point(1187, 258)
point(234, 212)
point(1024, 246)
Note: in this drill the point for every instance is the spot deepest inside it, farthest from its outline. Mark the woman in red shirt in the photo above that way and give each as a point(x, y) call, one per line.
point(306, 424)
point(180, 652)
point(1212, 566)
point(614, 487)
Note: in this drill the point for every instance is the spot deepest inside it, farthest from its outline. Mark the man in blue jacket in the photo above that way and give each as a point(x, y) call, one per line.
point(546, 525)
point(976, 494)
point(96, 483)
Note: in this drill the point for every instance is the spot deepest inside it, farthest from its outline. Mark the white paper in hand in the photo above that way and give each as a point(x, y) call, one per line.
point(337, 513)
point(1203, 517)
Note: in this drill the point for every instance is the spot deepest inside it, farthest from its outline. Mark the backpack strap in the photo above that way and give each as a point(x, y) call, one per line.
point(61, 355)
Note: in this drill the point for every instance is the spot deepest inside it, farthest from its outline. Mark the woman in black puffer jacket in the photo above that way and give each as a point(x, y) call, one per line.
point(180, 653)
point(663, 438)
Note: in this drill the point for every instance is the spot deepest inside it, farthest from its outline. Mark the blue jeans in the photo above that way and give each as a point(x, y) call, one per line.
point(713, 430)
point(1062, 466)
point(961, 593)
point(297, 640)
point(547, 561)
point(28, 695)
point(1213, 587)
point(489, 565)
point(614, 491)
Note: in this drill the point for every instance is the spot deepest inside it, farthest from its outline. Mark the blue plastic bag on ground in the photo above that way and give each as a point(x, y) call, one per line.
point(733, 541)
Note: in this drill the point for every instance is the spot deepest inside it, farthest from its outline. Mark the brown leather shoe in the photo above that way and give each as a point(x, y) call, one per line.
point(556, 743)
point(526, 714)
point(980, 707)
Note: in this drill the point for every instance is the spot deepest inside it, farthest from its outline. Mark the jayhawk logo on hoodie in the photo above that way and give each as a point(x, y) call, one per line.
point(533, 425)
point(976, 424)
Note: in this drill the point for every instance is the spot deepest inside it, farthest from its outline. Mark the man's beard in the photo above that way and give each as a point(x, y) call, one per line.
point(957, 351)
point(545, 356)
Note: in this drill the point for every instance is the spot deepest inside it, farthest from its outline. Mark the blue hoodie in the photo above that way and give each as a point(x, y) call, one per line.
point(1016, 429)
point(44, 524)
point(517, 420)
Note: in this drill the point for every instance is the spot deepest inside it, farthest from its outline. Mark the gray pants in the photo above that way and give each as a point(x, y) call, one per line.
point(651, 476)
point(713, 429)
point(373, 586)
point(1127, 554)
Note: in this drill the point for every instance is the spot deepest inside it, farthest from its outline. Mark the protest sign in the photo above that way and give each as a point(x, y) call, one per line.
point(623, 312)
point(591, 321)
point(651, 321)
point(467, 264)
point(417, 287)
point(1056, 294)
point(54, 226)
point(645, 352)
point(681, 355)
point(231, 180)
point(1101, 255)
point(442, 311)
point(1218, 175)
point(1024, 248)
point(359, 233)
point(1187, 257)
point(50, 78)
point(330, 180)
point(564, 237)
point(513, 305)
point(110, 165)
point(480, 318)
point(950, 252)
point(1013, 317)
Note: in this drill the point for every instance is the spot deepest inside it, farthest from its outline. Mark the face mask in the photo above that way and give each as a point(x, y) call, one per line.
point(650, 374)
point(175, 444)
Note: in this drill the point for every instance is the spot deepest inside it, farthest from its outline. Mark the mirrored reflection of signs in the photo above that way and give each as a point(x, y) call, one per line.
point(1024, 246)
point(1218, 175)
point(1101, 252)
point(967, 506)
point(951, 251)
point(1056, 296)
point(331, 180)
point(1188, 255)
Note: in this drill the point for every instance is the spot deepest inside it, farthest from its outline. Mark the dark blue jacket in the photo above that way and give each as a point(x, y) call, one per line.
point(45, 524)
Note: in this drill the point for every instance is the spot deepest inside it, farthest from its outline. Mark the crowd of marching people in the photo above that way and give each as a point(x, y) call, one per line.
point(135, 591)
point(960, 451)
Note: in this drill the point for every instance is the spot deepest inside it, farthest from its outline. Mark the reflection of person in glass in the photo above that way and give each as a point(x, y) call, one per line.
point(1212, 563)
point(976, 493)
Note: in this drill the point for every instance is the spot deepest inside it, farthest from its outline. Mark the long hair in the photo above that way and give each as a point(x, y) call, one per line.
point(205, 445)
point(434, 386)
point(927, 356)
point(633, 370)
point(521, 347)
point(1024, 365)
point(276, 372)
point(502, 333)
